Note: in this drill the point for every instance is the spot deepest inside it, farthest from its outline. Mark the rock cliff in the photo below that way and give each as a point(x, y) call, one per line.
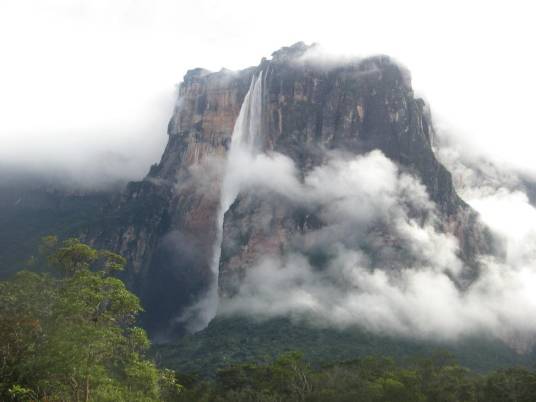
point(166, 224)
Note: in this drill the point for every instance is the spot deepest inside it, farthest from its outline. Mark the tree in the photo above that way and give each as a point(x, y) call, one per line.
point(69, 334)
point(510, 385)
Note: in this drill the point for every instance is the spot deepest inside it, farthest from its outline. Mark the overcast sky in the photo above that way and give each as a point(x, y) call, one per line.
point(89, 85)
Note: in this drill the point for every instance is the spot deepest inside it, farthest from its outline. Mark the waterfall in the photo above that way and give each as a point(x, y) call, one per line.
point(245, 144)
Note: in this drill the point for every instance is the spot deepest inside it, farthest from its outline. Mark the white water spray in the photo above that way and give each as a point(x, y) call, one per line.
point(245, 144)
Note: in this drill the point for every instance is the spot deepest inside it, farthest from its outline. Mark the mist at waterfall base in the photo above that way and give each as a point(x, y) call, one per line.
point(354, 194)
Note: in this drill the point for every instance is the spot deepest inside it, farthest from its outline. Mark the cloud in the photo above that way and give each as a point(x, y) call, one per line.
point(410, 287)
point(498, 192)
point(87, 85)
point(417, 303)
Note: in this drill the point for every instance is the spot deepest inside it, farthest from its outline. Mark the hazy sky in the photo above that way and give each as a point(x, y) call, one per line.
point(89, 84)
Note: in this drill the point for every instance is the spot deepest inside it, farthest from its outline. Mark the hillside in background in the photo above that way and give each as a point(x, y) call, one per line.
point(231, 341)
point(30, 210)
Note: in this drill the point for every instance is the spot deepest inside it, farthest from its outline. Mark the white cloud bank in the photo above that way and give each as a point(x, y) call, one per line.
point(415, 296)
point(93, 80)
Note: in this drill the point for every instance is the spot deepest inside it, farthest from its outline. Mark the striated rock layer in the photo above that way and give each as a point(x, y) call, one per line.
point(166, 224)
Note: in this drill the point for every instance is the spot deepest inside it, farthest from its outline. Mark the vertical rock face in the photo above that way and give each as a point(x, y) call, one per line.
point(166, 224)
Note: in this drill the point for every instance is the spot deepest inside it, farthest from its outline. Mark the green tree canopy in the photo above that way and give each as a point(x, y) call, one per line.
point(68, 333)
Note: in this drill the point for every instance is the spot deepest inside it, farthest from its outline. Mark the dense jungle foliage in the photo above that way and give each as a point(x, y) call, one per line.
point(68, 333)
point(290, 378)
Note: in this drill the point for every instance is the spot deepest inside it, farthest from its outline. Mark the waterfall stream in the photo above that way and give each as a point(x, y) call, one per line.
point(245, 144)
